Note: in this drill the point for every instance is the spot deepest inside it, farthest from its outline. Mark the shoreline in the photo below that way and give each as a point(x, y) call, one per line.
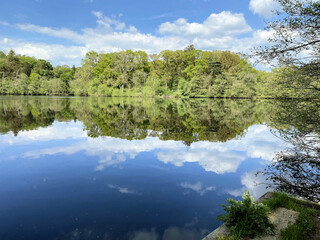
point(224, 231)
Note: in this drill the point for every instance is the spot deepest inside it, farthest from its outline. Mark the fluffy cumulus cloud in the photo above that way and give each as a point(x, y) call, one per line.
point(263, 7)
point(57, 131)
point(210, 159)
point(58, 54)
point(219, 31)
point(216, 25)
point(255, 183)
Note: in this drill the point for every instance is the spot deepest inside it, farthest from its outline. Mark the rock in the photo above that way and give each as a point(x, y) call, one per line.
point(222, 230)
point(281, 218)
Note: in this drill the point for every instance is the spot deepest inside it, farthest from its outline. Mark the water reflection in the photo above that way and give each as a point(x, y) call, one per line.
point(297, 169)
point(188, 121)
point(216, 157)
point(87, 168)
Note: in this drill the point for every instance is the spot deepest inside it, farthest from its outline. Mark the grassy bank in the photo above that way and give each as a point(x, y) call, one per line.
point(244, 218)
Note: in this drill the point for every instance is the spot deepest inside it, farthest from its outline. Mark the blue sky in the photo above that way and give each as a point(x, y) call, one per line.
point(62, 31)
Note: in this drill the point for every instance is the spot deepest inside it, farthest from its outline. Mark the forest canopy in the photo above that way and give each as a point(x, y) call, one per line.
point(181, 73)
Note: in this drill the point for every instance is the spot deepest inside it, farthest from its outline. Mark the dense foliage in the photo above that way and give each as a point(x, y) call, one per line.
point(181, 73)
point(295, 45)
point(246, 218)
point(23, 75)
point(190, 73)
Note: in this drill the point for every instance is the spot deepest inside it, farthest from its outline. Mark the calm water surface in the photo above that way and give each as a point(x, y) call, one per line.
point(104, 168)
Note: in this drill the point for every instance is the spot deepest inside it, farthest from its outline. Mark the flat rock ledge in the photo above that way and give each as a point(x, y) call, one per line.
point(281, 218)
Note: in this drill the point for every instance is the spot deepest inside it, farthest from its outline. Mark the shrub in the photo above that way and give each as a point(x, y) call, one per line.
point(246, 218)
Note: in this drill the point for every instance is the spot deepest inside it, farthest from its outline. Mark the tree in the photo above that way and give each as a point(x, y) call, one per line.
point(295, 31)
point(34, 83)
point(296, 43)
point(2, 54)
point(189, 48)
point(296, 170)
point(23, 84)
point(12, 68)
point(43, 68)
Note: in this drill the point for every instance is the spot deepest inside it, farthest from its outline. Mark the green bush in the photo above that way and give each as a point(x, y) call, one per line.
point(246, 218)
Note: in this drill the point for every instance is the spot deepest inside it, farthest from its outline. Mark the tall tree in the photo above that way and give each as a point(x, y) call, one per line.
point(295, 42)
point(296, 36)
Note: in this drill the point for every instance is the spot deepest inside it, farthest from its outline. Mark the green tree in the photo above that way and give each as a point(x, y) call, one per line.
point(43, 68)
point(295, 43)
point(22, 86)
point(34, 84)
point(12, 68)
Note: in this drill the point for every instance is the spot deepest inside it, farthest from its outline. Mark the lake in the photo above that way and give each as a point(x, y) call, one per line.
point(130, 168)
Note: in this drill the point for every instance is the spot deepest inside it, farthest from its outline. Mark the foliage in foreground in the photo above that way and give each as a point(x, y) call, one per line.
point(304, 223)
point(246, 218)
point(295, 45)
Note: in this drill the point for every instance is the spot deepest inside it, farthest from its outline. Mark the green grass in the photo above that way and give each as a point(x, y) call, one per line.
point(304, 223)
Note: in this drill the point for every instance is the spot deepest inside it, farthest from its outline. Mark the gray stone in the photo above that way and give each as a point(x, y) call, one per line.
point(222, 230)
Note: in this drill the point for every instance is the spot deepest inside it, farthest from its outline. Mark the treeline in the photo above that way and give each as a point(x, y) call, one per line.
point(23, 75)
point(190, 73)
point(182, 73)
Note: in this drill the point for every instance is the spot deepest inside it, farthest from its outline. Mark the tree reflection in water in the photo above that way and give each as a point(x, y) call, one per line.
point(297, 170)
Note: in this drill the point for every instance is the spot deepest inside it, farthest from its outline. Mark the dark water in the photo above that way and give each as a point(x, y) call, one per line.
point(111, 168)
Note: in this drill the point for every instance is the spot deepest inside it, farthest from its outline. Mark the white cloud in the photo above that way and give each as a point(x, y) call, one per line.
point(255, 183)
point(218, 31)
point(216, 25)
point(210, 159)
point(123, 190)
point(110, 160)
point(214, 157)
point(58, 54)
point(5, 40)
point(57, 131)
point(221, 157)
point(59, 32)
point(263, 7)
point(4, 23)
point(197, 187)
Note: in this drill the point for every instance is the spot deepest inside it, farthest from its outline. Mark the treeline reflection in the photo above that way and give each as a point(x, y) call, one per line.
point(295, 170)
point(128, 118)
